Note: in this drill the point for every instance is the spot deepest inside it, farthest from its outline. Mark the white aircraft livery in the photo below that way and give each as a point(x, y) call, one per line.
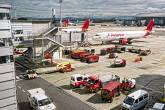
point(124, 37)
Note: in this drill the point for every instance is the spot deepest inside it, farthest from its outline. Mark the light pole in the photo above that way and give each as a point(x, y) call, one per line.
point(60, 1)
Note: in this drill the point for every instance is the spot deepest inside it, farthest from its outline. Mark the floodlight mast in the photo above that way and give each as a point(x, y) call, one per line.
point(60, 1)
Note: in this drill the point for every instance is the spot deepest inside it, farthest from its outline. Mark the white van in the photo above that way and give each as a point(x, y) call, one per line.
point(135, 100)
point(39, 101)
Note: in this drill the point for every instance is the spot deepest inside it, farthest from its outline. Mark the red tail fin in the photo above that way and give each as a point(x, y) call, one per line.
point(66, 22)
point(85, 25)
point(150, 25)
point(149, 28)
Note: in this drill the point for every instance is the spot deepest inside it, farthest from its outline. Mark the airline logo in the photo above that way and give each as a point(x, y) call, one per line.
point(116, 35)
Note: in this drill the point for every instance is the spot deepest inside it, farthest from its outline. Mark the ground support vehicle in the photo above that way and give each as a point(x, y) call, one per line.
point(127, 84)
point(113, 89)
point(116, 49)
point(78, 80)
point(136, 100)
point(95, 83)
point(82, 56)
point(64, 67)
point(133, 50)
point(76, 53)
point(138, 59)
point(38, 100)
point(91, 58)
point(103, 51)
point(113, 55)
point(144, 52)
point(30, 74)
point(140, 51)
point(119, 63)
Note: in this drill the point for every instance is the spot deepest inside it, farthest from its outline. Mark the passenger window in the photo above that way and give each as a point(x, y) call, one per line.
point(145, 96)
point(141, 98)
point(72, 79)
point(136, 101)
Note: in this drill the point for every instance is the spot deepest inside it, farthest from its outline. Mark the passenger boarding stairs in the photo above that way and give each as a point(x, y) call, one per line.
point(50, 44)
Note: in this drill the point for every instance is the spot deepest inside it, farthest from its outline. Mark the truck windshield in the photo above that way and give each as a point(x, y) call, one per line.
point(91, 81)
point(129, 100)
point(79, 78)
point(44, 102)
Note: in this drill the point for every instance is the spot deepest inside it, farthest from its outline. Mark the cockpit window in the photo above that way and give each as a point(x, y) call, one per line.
point(129, 100)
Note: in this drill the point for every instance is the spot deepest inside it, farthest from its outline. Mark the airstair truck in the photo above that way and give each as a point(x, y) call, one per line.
point(38, 100)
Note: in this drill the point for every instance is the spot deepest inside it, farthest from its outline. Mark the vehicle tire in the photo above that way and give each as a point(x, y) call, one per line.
point(103, 99)
point(97, 89)
point(111, 100)
point(129, 42)
point(88, 61)
point(123, 65)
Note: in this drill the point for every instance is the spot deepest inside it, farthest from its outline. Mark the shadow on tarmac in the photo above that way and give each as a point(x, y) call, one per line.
point(24, 106)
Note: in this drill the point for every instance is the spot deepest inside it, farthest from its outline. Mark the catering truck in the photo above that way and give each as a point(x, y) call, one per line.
point(38, 100)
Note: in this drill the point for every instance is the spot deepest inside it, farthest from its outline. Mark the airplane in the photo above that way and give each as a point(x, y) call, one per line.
point(124, 37)
point(83, 29)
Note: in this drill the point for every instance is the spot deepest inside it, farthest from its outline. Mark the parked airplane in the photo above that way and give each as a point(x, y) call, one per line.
point(83, 29)
point(124, 37)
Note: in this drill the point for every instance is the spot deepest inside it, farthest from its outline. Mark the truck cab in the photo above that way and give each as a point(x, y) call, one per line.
point(30, 74)
point(38, 100)
point(119, 62)
point(95, 82)
point(78, 80)
point(111, 90)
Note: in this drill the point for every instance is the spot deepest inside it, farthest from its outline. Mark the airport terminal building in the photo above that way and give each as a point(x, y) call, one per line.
point(158, 17)
point(8, 100)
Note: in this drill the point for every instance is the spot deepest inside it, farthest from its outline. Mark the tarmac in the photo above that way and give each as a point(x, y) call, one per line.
point(149, 73)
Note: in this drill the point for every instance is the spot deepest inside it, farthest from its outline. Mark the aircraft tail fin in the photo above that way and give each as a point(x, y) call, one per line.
point(66, 22)
point(149, 28)
point(150, 25)
point(85, 25)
